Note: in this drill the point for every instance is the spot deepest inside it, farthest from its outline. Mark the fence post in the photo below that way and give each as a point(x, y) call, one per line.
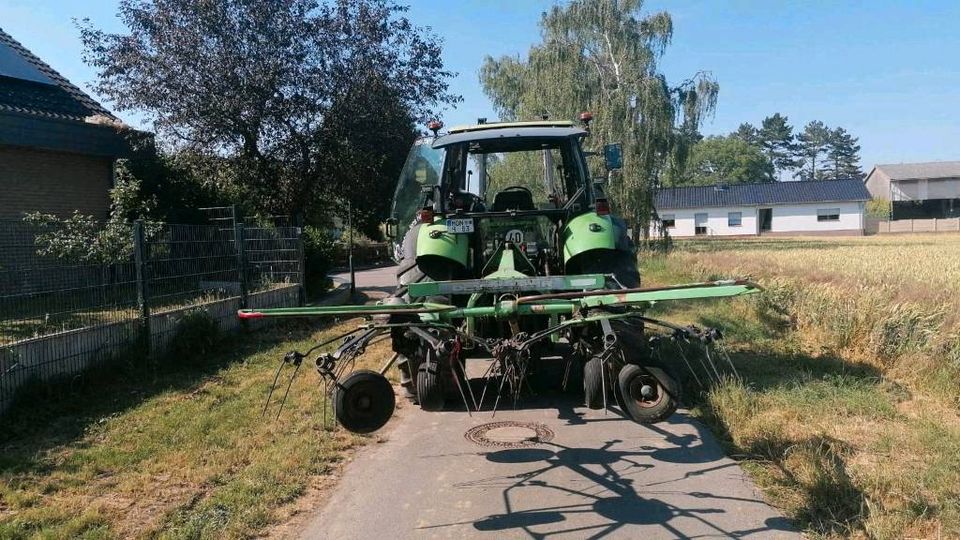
point(238, 236)
point(302, 269)
point(143, 294)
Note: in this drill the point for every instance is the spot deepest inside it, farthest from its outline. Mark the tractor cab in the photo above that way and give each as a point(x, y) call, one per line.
point(523, 187)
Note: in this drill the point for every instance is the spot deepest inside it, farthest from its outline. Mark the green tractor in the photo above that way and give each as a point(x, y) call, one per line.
point(508, 255)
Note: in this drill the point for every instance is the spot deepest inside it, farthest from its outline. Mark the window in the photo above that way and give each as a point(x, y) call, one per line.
point(828, 214)
point(734, 219)
point(668, 220)
point(699, 224)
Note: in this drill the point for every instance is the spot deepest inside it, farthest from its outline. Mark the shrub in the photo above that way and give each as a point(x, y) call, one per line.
point(197, 333)
point(319, 251)
point(879, 208)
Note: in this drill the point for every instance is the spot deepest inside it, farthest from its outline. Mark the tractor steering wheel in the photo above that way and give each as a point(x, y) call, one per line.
point(517, 188)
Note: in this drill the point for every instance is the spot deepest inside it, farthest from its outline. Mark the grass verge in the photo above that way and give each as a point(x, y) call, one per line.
point(847, 416)
point(173, 450)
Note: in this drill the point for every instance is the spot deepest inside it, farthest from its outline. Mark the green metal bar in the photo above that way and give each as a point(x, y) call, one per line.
point(321, 311)
point(502, 284)
point(710, 290)
point(510, 308)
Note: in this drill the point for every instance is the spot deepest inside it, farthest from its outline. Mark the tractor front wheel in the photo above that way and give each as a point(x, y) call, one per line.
point(649, 394)
point(363, 401)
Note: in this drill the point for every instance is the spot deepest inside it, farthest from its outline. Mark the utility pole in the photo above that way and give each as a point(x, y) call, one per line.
point(353, 277)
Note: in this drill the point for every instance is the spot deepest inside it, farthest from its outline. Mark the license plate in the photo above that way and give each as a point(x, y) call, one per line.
point(460, 225)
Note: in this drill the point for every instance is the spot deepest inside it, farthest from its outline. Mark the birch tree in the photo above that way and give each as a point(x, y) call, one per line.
point(604, 56)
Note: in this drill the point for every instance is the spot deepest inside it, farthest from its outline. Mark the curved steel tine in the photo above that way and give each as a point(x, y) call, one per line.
point(725, 354)
point(456, 379)
point(706, 351)
point(287, 392)
point(687, 362)
point(272, 388)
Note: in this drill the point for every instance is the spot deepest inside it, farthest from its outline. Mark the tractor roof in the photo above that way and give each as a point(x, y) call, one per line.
point(545, 129)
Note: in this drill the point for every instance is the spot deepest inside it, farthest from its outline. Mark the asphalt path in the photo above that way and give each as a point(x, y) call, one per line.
point(598, 476)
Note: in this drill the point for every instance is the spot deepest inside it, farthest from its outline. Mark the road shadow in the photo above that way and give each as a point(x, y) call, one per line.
point(608, 493)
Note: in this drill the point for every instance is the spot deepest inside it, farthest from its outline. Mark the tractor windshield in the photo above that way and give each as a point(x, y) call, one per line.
point(528, 174)
point(421, 169)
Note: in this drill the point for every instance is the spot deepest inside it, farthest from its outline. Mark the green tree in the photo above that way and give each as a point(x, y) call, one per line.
point(843, 155)
point(725, 160)
point(83, 239)
point(605, 57)
point(257, 83)
point(813, 145)
point(775, 136)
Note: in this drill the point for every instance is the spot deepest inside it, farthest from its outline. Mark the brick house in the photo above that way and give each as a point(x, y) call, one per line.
point(57, 145)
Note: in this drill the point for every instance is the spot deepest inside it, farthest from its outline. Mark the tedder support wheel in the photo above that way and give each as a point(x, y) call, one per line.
point(593, 383)
point(429, 389)
point(649, 393)
point(363, 401)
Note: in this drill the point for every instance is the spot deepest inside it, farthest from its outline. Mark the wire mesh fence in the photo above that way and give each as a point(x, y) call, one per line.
point(74, 296)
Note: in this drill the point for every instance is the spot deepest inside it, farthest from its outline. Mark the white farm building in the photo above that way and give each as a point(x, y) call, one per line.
point(779, 208)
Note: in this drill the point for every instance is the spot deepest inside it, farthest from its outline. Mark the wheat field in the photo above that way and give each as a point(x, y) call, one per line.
point(848, 414)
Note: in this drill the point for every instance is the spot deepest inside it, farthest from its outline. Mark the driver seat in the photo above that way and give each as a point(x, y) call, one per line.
point(513, 198)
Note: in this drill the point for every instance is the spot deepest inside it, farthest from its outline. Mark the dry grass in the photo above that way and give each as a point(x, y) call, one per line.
point(849, 417)
point(173, 452)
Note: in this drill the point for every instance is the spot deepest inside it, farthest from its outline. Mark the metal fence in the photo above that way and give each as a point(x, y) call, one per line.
point(70, 297)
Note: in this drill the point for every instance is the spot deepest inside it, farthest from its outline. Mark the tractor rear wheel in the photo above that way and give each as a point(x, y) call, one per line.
point(649, 393)
point(363, 401)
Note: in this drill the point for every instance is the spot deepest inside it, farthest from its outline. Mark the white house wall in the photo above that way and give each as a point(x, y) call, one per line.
point(786, 219)
point(716, 221)
point(801, 218)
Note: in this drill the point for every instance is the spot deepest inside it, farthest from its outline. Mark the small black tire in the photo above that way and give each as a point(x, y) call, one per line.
point(651, 409)
point(593, 383)
point(429, 387)
point(363, 401)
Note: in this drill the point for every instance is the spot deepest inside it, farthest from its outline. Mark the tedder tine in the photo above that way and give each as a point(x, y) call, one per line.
point(287, 392)
point(687, 362)
point(272, 388)
point(725, 354)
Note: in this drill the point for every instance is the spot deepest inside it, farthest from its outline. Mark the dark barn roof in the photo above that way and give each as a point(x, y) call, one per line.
point(762, 194)
point(28, 85)
point(40, 109)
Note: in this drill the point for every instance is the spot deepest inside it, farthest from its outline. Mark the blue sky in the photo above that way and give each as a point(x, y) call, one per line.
point(889, 72)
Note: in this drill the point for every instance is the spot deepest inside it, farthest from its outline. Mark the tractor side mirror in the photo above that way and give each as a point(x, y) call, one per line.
point(613, 156)
point(390, 228)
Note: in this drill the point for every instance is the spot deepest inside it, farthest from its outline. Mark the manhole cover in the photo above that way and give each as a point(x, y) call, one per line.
point(509, 434)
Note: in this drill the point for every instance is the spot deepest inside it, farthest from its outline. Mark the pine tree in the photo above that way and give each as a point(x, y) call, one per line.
point(747, 133)
point(812, 144)
point(843, 155)
point(776, 138)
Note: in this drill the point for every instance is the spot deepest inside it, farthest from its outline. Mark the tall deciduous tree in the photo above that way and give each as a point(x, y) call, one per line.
point(258, 82)
point(843, 155)
point(604, 57)
point(813, 144)
point(724, 160)
point(775, 136)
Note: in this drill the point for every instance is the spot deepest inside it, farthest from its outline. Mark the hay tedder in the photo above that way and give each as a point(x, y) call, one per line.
point(509, 260)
